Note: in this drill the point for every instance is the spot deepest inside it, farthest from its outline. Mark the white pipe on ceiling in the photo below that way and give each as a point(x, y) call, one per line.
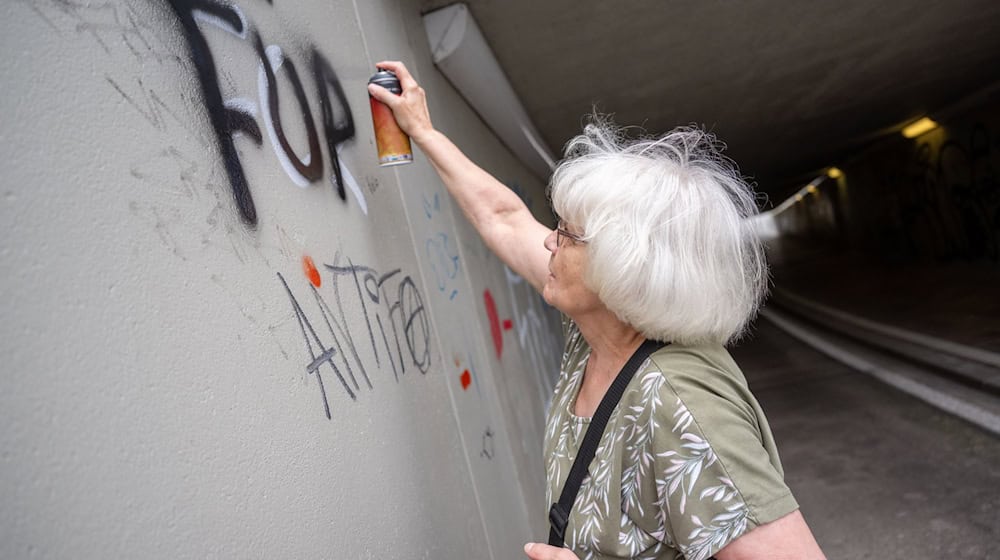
point(460, 51)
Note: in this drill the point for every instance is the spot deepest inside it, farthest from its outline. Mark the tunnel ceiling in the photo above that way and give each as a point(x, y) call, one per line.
point(790, 86)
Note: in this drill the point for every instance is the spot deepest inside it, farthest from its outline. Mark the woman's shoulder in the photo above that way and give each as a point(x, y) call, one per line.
point(703, 416)
point(706, 362)
point(701, 377)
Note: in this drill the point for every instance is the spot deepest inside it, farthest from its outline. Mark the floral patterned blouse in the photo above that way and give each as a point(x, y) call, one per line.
point(686, 464)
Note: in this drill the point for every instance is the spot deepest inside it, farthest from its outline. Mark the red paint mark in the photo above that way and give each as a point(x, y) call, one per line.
point(466, 379)
point(310, 269)
point(491, 312)
point(508, 324)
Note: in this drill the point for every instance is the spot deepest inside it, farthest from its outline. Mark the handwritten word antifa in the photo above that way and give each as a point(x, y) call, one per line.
point(229, 118)
point(396, 327)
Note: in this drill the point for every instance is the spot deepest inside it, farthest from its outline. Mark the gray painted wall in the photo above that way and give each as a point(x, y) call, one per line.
point(176, 382)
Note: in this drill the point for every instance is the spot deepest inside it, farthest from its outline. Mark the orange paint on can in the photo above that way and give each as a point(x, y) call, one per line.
point(393, 144)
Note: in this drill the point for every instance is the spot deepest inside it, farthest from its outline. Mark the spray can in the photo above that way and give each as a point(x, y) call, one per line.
point(393, 144)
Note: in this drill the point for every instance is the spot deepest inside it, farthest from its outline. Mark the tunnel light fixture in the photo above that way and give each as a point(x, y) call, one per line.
point(811, 189)
point(798, 197)
point(834, 173)
point(919, 127)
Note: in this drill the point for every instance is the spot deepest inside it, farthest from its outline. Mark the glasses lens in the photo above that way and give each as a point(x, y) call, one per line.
point(563, 234)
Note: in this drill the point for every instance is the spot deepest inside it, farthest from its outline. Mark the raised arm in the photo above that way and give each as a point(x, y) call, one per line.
point(501, 218)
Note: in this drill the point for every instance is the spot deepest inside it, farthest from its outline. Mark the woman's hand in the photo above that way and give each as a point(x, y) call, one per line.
point(501, 218)
point(539, 551)
point(410, 107)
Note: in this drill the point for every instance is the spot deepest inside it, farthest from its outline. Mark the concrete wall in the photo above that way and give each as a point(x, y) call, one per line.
point(935, 197)
point(178, 380)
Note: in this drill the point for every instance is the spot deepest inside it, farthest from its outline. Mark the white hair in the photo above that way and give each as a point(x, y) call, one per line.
point(672, 250)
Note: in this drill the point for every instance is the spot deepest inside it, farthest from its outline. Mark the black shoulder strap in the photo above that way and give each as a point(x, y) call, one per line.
point(559, 513)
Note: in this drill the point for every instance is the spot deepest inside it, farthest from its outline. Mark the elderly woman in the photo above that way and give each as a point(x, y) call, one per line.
point(652, 244)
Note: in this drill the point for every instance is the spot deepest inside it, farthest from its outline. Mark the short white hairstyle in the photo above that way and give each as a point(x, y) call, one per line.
point(672, 249)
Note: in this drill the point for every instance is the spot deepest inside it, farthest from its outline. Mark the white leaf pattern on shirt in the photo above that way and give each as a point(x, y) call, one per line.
point(632, 428)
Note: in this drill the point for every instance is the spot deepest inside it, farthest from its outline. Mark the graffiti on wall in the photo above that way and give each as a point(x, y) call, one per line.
point(297, 83)
point(441, 253)
point(949, 204)
point(291, 107)
point(489, 446)
point(494, 318)
point(238, 116)
point(395, 333)
point(537, 328)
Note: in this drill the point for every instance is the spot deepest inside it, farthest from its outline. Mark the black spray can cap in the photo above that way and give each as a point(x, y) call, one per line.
point(388, 80)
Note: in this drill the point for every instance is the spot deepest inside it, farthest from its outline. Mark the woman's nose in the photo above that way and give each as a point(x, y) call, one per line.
point(551, 241)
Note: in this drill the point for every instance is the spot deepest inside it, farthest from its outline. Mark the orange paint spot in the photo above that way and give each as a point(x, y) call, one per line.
point(310, 270)
point(466, 379)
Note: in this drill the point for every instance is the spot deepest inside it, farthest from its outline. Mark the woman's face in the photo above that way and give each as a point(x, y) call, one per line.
point(564, 288)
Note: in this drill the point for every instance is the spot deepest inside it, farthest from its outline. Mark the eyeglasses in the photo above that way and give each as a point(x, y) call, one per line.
point(561, 232)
